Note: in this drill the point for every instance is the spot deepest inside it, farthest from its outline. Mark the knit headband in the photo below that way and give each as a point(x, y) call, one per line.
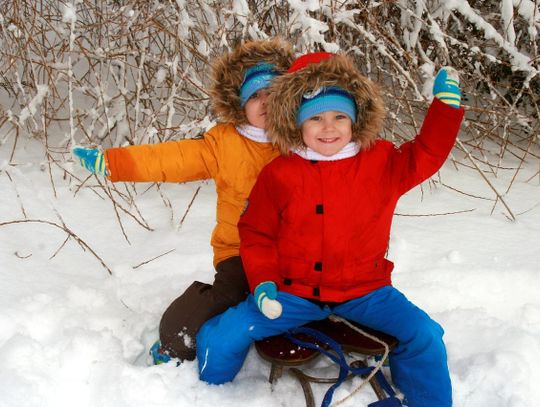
point(256, 78)
point(331, 98)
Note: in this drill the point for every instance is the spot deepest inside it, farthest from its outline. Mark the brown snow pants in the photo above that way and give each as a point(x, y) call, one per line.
point(200, 302)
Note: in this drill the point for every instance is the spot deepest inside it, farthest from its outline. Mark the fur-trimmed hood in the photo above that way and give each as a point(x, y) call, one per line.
point(338, 70)
point(227, 74)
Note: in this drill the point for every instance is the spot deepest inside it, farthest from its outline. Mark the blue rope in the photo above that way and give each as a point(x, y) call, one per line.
point(338, 357)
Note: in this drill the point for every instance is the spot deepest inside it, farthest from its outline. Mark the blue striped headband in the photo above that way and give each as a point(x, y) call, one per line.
point(324, 100)
point(256, 78)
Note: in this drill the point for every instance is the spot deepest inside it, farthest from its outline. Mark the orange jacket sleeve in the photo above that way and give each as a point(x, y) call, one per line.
point(173, 161)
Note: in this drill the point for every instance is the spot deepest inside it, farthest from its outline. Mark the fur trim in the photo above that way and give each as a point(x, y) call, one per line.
point(287, 91)
point(228, 73)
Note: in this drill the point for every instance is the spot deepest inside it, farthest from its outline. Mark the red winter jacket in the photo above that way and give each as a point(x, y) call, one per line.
point(320, 229)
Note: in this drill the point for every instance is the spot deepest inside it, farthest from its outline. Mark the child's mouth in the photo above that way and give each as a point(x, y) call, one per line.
point(328, 140)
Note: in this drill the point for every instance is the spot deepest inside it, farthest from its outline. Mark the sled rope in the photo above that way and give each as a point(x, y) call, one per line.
point(377, 367)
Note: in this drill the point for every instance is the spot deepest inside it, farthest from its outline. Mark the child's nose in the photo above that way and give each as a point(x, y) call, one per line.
point(328, 123)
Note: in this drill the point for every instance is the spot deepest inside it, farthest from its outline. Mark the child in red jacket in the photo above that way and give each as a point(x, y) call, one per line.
point(316, 231)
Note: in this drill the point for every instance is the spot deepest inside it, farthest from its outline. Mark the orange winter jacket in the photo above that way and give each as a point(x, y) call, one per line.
point(232, 160)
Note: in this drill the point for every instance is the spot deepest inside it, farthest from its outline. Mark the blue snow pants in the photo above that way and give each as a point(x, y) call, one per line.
point(418, 364)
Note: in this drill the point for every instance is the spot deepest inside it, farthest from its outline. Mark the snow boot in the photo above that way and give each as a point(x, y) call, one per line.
point(159, 355)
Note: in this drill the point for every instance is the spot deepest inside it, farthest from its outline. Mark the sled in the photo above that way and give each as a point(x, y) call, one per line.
point(282, 353)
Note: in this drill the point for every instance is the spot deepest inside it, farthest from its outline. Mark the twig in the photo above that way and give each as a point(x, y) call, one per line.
point(18, 195)
point(20, 256)
point(81, 242)
point(465, 193)
point(189, 206)
point(14, 144)
point(499, 197)
point(60, 248)
point(153, 258)
point(436, 214)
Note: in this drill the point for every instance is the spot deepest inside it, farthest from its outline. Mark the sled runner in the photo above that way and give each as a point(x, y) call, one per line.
point(332, 338)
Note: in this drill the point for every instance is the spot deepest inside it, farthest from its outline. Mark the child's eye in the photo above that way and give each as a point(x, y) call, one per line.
point(255, 95)
point(341, 116)
point(315, 118)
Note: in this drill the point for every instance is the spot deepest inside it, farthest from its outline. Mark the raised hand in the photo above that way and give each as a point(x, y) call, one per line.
point(446, 87)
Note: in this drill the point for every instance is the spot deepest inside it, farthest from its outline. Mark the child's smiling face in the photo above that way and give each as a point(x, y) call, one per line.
point(327, 133)
point(255, 108)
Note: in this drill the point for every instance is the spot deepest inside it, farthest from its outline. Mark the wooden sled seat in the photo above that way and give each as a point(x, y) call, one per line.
point(282, 353)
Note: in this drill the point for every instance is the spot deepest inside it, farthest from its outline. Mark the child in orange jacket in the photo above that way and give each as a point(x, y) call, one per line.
point(232, 153)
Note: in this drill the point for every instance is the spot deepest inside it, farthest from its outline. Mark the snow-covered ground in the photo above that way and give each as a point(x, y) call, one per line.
point(71, 334)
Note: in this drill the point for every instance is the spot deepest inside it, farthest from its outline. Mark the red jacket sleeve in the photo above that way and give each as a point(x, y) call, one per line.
point(418, 159)
point(259, 229)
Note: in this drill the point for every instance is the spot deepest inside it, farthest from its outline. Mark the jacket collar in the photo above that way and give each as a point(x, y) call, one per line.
point(350, 150)
point(253, 133)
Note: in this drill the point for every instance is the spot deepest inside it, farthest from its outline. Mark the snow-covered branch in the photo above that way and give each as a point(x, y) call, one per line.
point(137, 72)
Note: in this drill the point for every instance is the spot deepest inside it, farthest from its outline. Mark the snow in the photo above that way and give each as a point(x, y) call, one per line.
point(507, 14)
point(72, 334)
point(34, 104)
point(240, 8)
point(312, 29)
point(70, 13)
point(520, 61)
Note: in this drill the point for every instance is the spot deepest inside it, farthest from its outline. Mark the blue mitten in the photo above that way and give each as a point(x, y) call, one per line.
point(265, 296)
point(446, 87)
point(91, 159)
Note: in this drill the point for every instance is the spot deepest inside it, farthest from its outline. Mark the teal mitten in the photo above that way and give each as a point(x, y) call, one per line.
point(446, 87)
point(91, 159)
point(265, 296)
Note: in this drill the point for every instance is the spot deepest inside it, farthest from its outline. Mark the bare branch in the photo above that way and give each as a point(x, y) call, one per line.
point(70, 233)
